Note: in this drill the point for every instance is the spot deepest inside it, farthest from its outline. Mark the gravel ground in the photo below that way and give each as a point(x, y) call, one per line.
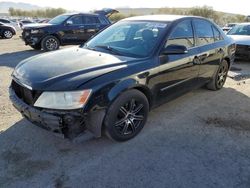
point(201, 139)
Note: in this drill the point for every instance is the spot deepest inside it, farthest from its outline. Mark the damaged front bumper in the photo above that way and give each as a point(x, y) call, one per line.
point(242, 52)
point(69, 124)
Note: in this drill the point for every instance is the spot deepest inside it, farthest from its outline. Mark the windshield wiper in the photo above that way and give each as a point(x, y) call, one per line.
point(109, 48)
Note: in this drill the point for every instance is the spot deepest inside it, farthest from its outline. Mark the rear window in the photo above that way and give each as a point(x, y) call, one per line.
point(217, 34)
point(103, 20)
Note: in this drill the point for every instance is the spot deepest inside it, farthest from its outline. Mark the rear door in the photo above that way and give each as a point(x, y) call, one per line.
point(178, 73)
point(210, 51)
point(92, 25)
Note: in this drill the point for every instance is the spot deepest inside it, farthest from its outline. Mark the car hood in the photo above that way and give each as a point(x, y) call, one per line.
point(241, 39)
point(66, 69)
point(37, 25)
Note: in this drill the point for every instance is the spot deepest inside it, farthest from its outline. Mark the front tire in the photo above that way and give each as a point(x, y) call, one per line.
point(220, 77)
point(126, 116)
point(8, 34)
point(50, 43)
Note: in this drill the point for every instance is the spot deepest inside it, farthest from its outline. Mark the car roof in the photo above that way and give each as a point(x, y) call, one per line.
point(82, 13)
point(166, 18)
point(244, 23)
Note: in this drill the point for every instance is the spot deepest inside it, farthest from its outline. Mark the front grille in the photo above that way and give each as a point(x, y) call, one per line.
point(27, 95)
point(240, 48)
point(25, 33)
point(242, 51)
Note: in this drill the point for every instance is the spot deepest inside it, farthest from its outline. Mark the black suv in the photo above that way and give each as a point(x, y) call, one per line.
point(70, 28)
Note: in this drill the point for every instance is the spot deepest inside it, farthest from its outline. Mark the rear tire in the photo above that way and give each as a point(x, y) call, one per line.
point(126, 116)
point(8, 34)
point(220, 77)
point(50, 43)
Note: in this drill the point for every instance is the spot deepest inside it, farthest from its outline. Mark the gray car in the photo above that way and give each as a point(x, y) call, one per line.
point(241, 35)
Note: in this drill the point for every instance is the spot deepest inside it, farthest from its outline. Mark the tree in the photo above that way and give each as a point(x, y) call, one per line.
point(46, 13)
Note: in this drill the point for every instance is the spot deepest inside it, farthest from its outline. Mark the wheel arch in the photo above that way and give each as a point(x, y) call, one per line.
point(58, 37)
point(51, 34)
point(228, 61)
point(129, 84)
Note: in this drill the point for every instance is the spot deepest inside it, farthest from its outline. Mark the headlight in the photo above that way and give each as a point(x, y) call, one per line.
point(35, 31)
point(63, 100)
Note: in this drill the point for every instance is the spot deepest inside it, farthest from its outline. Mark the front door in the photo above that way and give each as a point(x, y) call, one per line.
point(73, 29)
point(178, 73)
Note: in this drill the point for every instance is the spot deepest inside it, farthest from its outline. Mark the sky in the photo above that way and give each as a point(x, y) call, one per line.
point(232, 6)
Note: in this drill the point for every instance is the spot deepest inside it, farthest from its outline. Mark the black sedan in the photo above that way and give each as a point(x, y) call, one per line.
point(7, 31)
point(109, 84)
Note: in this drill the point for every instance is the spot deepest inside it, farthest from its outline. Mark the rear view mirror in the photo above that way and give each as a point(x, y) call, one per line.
point(69, 22)
point(175, 49)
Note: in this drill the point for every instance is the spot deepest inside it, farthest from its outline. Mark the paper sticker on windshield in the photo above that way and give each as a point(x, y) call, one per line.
point(159, 25)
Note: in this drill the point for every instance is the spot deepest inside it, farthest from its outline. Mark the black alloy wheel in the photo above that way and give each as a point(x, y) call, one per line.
point(127, 115)
point(220, 77)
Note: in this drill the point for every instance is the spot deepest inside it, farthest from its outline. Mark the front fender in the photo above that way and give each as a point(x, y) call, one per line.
point(121, 87)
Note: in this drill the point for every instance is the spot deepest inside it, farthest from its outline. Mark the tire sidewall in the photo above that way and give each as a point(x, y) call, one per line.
point(43, 43)
point(8, 37)
point(113, 110)
point(223, 62)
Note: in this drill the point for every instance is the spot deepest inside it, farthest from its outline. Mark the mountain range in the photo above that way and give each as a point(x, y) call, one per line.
point(5, 5)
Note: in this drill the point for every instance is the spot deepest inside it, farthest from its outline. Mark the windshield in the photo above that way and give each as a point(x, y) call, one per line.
point(59, 19)
point(240, 30)
point(129, 38)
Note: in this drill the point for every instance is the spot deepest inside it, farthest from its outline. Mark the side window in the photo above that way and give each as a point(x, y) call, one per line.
point(76, 20)
point(103, 20)
point(91, 20)
point(217, 34)
point(5, 21)
point(182, 35)
point(204, 32)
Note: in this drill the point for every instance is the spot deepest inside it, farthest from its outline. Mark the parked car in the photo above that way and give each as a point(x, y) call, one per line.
point(7, 31)
point(70, 28)
point(109, 84)
point(10, 22)
point(228, 27)
point(24, 23)
point(241, 35)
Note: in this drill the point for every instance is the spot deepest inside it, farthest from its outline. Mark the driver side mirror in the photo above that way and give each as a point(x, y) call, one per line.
point(69, 22)
point(175, 49)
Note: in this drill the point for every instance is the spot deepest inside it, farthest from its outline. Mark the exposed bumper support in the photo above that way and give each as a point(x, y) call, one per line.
point(67, 123)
